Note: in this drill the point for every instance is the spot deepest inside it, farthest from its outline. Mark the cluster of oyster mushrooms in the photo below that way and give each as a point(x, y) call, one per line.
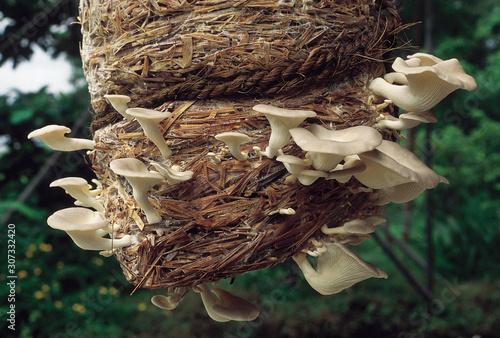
point(390, 171)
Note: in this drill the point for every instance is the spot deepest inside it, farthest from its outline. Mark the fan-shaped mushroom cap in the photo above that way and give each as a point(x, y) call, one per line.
point(120, 103)
point(171, 301)
point(308, 177)
point(79, 189)
point(149, 120)
point(228, 306)
point(390, 165)
point(172, 175)
point(338, 268)
point(327, 147)
point(406, 121)
point(356, 226)
point(281, 121)
point(141, 180)
point(427, 83)
point(81, 225)
point(53, 136)
point(343, 172)
point(233, 140)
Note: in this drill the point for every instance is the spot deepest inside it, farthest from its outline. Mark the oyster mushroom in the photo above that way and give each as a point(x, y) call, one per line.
point(141, 180)
point(233, 140)
point(281, 121)
point(343, 172)
point(149, 120)
point(355, 227)
point(294, 165)
point(227, 307)
point(428, 81)
point(395, 170)
point(172, 174)
point(171, 301)
point(120, 103)
point(53, 136)
point(338, 268)
point(406, 121)
point(79, 189)
point(326, 148)
point(82, 225)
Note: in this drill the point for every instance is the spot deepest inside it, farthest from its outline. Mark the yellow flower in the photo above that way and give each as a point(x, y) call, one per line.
point(39, 294)
point(37, 271)
point(78, 308)
point(103, 290)
point(45, 247)
point(58, 304)
point(114, 292)
point(45, 288)
point(22, 274)
point(97, 261)
point(60, 265)
point(142, 307)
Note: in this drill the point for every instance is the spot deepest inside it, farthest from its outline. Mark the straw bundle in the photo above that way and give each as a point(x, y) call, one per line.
point(209, 62)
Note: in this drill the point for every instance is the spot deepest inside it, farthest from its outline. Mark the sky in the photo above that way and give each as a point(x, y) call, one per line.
point(41, 70)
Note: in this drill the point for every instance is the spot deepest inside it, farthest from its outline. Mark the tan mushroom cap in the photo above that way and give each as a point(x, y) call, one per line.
point(233, 140)
point(79, 189)
point(281, 121)
point(327, 148)
point(171, 301)
point(343, 172)
point(390, 165)
point(141, 180)
point(120, 103)
point(53, 136)
point(149, 120)
point(338, 268)
point(82, 225)
point(233, 307)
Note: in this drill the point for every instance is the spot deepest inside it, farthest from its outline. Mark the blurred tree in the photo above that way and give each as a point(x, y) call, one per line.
point(44, 23)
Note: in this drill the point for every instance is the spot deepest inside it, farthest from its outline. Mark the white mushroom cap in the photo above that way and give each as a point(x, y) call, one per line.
point(53, 136)
point(141, 180)
point(390, 165)
point(120, 103)
point(281, 121)
point(356, 226)
point(426, 85)
point(308, 177)
point(149, 120)
point(171, 301)
point(406, 121)
point(293, 164)
point(338, 268)
point(81, 225)
point(172, 175)
point(79, 189)
point(233, 140)
point(227, 307)
point(343, 172)
point(328, 147)
point(406, 192)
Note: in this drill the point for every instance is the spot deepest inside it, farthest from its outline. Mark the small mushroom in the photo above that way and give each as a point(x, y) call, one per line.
point(294, 165)
point(233, 140)
point(53, 136)
point(406, 121)
point(172, 174)
point(171, 301)
point(308, 177)
point(355, 227)
point(120, 103)
point(338, 268)
point(149, 120)
point(391, 165)
point(343, 172)
point(227, 307)
point(428, 81)
point(81, 225)
point(327, 147)
point(281, 121)
point(79, 189)
point(141, 180)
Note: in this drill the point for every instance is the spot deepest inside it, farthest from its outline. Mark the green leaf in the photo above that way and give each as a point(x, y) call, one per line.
point(21, 115)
